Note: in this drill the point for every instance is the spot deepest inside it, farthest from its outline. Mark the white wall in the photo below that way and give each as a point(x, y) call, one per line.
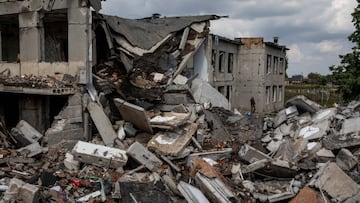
point(201, 64)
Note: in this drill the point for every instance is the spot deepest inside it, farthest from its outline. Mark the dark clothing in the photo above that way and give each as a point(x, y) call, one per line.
point(252, 102)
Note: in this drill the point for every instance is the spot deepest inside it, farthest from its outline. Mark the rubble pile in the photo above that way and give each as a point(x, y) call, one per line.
point(32, 81)
point(188, 153)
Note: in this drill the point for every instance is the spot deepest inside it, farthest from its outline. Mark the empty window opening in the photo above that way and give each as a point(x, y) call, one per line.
point(280, 93)
point(56, 36)
point(213, 57)
point(9, 38)
point(230, 62)
point(268, 64)
point(281, 66)
point(274, 93)
point(221, 61)
point(267, 94)
point(276, 64)
point(102, 48)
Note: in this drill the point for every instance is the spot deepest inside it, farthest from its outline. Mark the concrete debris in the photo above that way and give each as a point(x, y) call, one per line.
point(99, 155)
point(145, 123)
point(335, 182)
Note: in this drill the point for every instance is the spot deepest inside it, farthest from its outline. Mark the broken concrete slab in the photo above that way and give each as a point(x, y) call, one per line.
point(138, 152)
point(251, 155)
point(280, 118)
point(172, 143)
point(351, 126)
point(214, 155)
point(191, 193)
point(324, 114)
point(303, 104)
point(214, 189)
point(203, 92)
point(335, 182)
point(102, 123)
point(346, 160)
point(134, 114)
point(169, 120)
point(291, 111)
point(29, 132)
point(70, 163)
point(31, 150)
point(99, 155)
point(314, 131)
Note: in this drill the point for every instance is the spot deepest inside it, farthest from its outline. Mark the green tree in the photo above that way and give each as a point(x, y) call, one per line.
point(316, 78)
point(347, 74)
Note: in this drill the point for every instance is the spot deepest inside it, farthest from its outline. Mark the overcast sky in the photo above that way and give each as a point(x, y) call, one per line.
point(315, 30)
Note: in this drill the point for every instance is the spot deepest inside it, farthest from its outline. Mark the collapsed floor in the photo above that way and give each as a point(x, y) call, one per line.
point(182, 152)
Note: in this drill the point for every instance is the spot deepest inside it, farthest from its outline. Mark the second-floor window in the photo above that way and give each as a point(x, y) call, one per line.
point(221, 61)
point(230, 62)
point(268, 64)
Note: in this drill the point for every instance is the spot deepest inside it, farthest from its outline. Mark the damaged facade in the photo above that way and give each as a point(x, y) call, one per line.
point(262, 74)
point(145, 108)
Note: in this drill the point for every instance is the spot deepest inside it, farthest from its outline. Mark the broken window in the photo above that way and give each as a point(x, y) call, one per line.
point(281, 65)
point(274, 93)
point(230, 62)
point(221, 61)
point(9, 38)
point(221, 89)
point(56, 36)
point(276, 64)
point(268, 64)
point(228, 92)
point(280, 92)
point(267, 94)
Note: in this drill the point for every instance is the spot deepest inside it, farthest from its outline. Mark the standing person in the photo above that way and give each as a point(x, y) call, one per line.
point(252, 103)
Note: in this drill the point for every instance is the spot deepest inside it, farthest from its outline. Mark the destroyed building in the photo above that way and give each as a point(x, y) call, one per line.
point(262, 74)
point(45, 51)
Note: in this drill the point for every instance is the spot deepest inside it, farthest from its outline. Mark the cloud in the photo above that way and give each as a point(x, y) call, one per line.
point(328, 46)
point(315, 31)
point(294, 54)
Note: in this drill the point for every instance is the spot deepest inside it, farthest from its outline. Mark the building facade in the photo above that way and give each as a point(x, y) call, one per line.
point(42, 45)
point(261, 75)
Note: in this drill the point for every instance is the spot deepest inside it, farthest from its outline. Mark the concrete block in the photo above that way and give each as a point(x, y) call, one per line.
point(31, 150)
point(138, 152)
point(102, 123)
point(134, 114)
point(172, 143)
point(308, 195)
point(55, 137)
point(70, 163)
point(99, 155)
point(21, 192)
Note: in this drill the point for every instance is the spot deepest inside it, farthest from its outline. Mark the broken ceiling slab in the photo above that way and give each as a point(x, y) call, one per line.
point(280, 118)
point(314, 131)
point(102, 123)
point(335, 182)
point(169, 120)
point(340, 141)
point(191, 193)
point(251, 155)
point(291, 111)
point(203, 92)
point(99, 155)
point(214, 189)
point(291, 150)
point(133, 114)
point(303, 104)
point(172, 143)
point(351, 126)
point(214, 155)
point(324, 114)
point(138, 152)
